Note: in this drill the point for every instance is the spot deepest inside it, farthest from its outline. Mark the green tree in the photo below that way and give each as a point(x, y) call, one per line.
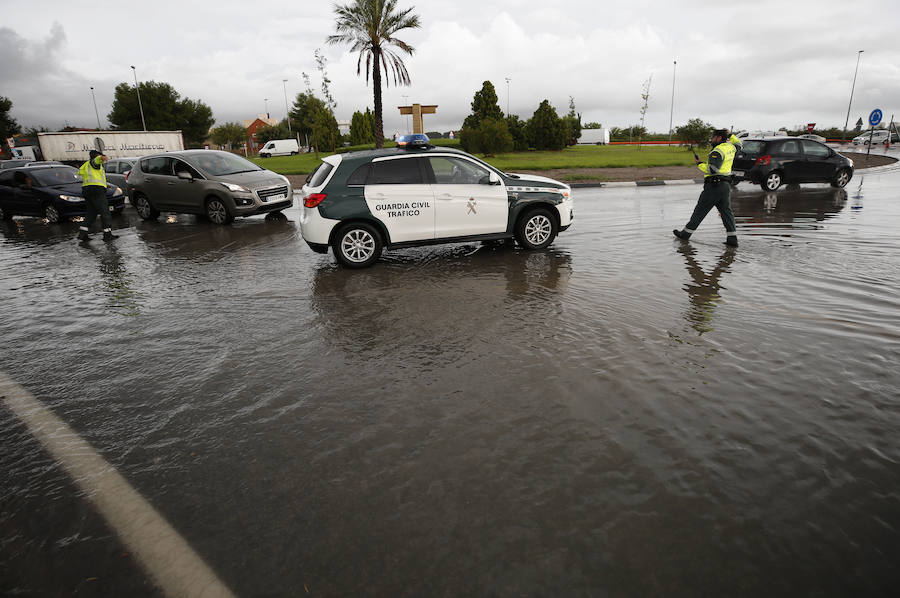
point(484, 106)
point(232, 133)
point(362, 127)
point(490, 137)
point(572, 121)
point(8, 125)
point(592, 125)
point(546, 130)
point(267, 133)
point(370, 27)
point(694, 132)
point(164, 110)
point(518, 131)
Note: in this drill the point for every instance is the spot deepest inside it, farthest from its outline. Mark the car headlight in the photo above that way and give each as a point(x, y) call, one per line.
point(236, 188)
point(71, 198)
point(116, 191)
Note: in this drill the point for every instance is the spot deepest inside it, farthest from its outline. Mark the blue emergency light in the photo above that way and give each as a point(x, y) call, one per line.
point(416, 140)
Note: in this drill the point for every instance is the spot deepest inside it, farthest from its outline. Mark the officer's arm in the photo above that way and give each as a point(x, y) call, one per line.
point(735, 141)
point(714, 163)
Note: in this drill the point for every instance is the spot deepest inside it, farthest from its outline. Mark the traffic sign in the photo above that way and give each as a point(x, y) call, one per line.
point(875, 117)
point(810, 127)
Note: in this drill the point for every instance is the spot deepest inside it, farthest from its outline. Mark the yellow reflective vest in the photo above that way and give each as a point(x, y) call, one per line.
point(727, 151)
point(93, 176)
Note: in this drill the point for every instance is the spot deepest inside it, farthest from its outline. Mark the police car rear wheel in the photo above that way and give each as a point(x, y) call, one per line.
point(358, 245)
point(536, 229)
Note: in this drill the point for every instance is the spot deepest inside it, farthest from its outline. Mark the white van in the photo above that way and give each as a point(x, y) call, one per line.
point(279, 147)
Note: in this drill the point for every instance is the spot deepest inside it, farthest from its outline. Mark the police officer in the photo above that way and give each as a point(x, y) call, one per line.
point(93, 189)
point(716, 187)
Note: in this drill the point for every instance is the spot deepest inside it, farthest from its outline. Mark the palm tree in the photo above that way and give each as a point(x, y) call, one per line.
point(369, 26)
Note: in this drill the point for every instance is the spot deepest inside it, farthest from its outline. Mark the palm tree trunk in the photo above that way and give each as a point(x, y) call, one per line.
point(376, 85)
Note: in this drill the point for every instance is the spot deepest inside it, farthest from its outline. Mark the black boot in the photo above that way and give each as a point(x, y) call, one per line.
point(83, 236)
point(681, 234)
point(731, 241)
point(108, 236)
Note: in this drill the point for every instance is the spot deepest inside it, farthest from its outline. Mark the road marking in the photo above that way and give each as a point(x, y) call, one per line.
point(166, 556)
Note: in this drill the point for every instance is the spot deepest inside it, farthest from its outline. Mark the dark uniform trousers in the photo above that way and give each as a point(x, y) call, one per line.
point(716, 194)
point(96, 203)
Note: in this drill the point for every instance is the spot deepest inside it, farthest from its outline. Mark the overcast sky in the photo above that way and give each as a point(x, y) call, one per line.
point(750, 65)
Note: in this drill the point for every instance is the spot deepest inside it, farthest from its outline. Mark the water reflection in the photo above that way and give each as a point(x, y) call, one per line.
point(463, 294)
point(183, 236)
point(121, 297)
point(795, 209)
point(703, 290)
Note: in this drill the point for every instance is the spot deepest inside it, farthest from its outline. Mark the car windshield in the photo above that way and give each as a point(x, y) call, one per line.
point(221, 163)
point(752, 146)
point(53, 177)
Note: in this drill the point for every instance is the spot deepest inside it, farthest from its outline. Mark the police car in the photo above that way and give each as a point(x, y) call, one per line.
point(360, 203)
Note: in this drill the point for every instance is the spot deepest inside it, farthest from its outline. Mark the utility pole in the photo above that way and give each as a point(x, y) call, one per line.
point(844, 134)
point(287, 115)
point(138, 90)
point(672, 103)
point(95, 108)
point(507, 95)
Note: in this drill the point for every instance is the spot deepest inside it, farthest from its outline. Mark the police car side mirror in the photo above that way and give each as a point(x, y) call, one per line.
point(490, 179)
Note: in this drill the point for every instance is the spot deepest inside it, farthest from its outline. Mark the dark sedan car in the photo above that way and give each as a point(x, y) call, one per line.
point(774, 161)
point(51, 192)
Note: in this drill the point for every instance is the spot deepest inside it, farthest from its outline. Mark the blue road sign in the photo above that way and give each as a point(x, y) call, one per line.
point(875, 117)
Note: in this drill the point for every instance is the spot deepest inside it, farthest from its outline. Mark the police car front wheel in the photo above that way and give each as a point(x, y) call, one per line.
point(536, 230)
point(357, 245)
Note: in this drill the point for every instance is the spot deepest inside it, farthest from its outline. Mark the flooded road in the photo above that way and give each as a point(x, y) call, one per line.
point(623, 414)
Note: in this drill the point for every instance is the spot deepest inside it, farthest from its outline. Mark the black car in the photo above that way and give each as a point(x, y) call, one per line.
point(51, 192)
point(774, 161)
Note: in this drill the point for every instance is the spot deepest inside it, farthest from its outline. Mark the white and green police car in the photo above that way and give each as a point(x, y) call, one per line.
point(359, 203)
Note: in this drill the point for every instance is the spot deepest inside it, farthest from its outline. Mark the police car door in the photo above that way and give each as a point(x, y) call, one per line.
point(466, 201)
point(398, 196)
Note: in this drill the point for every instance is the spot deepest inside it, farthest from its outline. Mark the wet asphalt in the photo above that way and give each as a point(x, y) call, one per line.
point(622, 414)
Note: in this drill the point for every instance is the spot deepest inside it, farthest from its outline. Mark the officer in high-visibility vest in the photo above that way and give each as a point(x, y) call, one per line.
point(93, 189)
point(716, 187)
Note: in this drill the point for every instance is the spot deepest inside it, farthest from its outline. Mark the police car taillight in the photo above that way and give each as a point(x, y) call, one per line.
point(314, 199)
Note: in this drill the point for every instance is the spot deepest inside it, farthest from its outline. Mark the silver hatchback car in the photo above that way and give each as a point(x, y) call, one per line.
point(218, 185)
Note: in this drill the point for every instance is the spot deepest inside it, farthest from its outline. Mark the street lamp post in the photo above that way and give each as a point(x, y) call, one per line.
point(672, 103)
point(406, 103)
point(844, 134)
point(287, 115)
point(266, 100)
point(138, 90)
point(95, 107)
point(507, 95)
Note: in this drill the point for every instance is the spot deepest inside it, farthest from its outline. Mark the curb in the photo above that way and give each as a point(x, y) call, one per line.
point(637, 183)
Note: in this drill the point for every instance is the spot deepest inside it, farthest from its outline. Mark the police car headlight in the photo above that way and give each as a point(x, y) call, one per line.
point(236, 188)
point(71, 198)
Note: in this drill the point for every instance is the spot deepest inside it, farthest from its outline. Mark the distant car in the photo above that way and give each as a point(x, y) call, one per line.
point(818, 138)
point(117, 171)
point(770, 162)
point(876, 137)
point(218, 185)
point(51, 192)
point(15, 163)
point(358, 203)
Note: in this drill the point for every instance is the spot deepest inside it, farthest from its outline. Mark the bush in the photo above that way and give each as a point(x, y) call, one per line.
point(490, 138)
point(546, 130)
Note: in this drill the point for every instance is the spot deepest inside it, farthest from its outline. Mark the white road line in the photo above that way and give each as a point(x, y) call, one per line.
point(171, 563)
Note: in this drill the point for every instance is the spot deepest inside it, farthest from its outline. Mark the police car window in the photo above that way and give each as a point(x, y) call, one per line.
point(816, 150)
point(790, 147)
point(456, 171)
point(402, 171)
point(359, 175)
point(320, 174)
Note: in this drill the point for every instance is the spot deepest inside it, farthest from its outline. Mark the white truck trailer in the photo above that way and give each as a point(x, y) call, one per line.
point(75, 147)
point(594, 137)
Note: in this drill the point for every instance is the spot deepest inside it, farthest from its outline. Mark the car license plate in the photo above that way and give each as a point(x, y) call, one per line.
point(277, 198)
